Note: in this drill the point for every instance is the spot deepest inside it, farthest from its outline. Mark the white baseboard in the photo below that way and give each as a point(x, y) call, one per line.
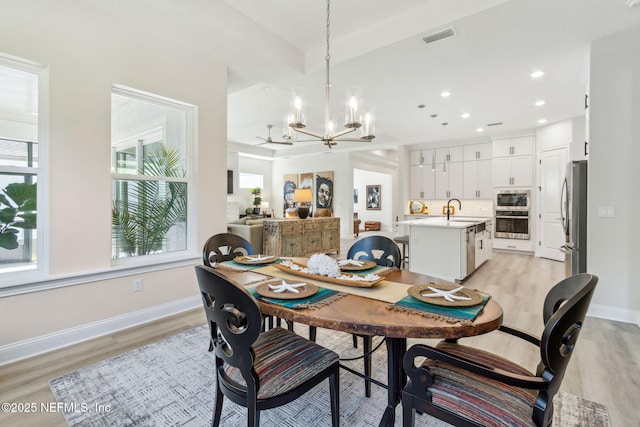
point(614, 313)
point(45, 343)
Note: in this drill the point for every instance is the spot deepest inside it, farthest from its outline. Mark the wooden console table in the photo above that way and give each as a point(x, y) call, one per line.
point(300, 237)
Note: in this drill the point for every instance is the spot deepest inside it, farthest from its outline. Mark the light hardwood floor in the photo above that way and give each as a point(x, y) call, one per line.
point(604, 368)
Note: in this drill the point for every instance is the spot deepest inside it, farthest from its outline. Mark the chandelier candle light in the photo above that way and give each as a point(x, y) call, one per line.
point(356, 115)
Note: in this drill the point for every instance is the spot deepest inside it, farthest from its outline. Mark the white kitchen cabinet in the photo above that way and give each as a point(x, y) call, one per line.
point(513, 162)
point(516, 171)
point(415, 182)
point(449, 154)
point(421, 157)
point(507, 147)
point(422, 183)
point(477, 180)
point(484, 246)
point(449, 185)
point(414, 158)
point(473, 152)
point(513, 244)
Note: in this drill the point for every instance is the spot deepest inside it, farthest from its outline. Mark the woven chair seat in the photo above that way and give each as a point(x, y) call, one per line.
point(488, 402)
point(297, 359)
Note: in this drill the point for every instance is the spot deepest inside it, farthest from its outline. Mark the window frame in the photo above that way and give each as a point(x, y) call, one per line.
point(191, 112)
point(40, 271)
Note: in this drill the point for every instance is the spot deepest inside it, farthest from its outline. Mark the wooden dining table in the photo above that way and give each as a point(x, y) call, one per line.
point(367, 316)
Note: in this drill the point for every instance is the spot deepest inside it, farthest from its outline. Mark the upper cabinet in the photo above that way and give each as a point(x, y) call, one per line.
point(448, 154)
point(477, 152)
point(513, 162)
point(448, 179)
point(522, 146)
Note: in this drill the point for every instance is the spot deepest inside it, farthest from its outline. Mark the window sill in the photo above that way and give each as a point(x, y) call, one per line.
point(94, 276)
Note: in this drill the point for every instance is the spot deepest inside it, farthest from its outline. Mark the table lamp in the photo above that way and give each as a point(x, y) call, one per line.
point(303, 196)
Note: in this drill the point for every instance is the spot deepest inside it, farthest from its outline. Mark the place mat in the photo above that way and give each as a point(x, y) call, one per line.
point(366, 265)
point(320, 299)
point(418, 291)
point(263, 289)
point(326, 279)
point(385, 290)
point(464, 315)
point(234, 265)
point(255, 259)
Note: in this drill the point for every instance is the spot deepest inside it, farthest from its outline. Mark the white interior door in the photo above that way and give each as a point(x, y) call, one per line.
point(552, 169)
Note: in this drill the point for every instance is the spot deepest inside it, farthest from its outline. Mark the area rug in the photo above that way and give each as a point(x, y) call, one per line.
point(171, 382)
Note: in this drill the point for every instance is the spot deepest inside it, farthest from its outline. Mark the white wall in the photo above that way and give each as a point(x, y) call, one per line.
point(614, 176)
point(362, 178)
point(86, 53)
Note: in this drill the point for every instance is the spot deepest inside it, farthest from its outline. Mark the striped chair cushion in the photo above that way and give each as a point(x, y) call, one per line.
point(480, 399)
point(283, 361)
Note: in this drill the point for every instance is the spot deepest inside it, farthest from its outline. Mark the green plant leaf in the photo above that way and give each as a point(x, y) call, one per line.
point(9, 239)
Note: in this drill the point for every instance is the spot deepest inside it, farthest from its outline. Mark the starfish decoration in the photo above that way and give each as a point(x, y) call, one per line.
point(258, 257)
point(447, 295)
point(286, 287)
point(350, 261)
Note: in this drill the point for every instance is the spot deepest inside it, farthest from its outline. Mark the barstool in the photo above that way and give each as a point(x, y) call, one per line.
point(404, 240)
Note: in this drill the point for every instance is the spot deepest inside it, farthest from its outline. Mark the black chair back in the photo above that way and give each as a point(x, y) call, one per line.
point(225, 247)
point(383, 250)
point(565, 308)
point(235, 322)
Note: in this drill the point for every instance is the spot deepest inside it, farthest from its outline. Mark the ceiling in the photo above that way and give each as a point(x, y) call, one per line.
point(271, 46)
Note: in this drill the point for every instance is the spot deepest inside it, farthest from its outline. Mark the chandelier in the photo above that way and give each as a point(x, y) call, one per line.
point(356, 116)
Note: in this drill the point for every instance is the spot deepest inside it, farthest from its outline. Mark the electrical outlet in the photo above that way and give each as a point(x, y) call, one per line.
point(137, 285)
point(606, 211)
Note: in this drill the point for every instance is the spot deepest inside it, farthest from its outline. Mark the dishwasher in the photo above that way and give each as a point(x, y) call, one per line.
point(471, 250)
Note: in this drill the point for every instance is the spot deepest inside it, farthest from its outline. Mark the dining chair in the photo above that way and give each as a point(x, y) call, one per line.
point(384, 251)
point(466, 386)
point(225, 247)
point(259, 370)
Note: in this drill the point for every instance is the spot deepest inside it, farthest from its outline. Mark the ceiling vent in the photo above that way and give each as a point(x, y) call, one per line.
point(494, 124)
point(444, 34)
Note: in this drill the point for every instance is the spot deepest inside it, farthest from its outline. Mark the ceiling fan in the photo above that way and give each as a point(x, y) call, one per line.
point(268, 140)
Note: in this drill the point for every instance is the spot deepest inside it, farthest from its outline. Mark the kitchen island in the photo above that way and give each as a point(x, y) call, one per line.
point(449, 249)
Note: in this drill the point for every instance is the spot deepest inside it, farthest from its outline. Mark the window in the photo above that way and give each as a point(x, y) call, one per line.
point(21, 239)
point(250, 180)
point(151, 138)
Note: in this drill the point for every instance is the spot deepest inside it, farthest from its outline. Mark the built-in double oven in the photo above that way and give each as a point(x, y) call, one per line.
point(512, 208)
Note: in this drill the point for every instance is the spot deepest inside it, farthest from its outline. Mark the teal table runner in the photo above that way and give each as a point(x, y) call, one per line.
point(321, 298)
point(449, 314)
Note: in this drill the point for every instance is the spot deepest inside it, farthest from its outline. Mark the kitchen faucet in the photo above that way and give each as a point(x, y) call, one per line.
point(449, 202)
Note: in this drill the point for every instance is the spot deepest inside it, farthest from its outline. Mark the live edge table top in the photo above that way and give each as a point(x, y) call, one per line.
point(367, 316)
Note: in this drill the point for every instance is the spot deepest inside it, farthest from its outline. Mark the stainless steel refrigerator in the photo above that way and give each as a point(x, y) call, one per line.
point(574, 216)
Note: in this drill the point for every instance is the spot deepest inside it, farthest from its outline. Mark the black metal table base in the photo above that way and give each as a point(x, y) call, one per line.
point(396, 347)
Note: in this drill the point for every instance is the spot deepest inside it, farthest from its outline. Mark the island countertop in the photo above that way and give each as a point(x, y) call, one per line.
point(441, 221)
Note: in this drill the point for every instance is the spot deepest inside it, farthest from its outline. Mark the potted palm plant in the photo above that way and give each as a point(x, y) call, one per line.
point(142, 220)
point(257, 200)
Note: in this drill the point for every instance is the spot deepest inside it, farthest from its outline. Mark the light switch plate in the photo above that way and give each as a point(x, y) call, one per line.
point(606, 211)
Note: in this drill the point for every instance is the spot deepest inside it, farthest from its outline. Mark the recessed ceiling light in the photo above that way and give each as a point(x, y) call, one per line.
point(541, 121)
point(537, 74)
point(445, 94)
point(465, 115)
point(480, 130)
point(540, 103)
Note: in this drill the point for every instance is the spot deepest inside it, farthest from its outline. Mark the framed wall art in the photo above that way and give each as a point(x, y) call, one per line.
point(324, 190)
point(373, 197)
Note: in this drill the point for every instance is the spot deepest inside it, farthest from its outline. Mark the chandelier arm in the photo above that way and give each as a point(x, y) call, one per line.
point(309, 132)
point(352, 140)
point(342, 132)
